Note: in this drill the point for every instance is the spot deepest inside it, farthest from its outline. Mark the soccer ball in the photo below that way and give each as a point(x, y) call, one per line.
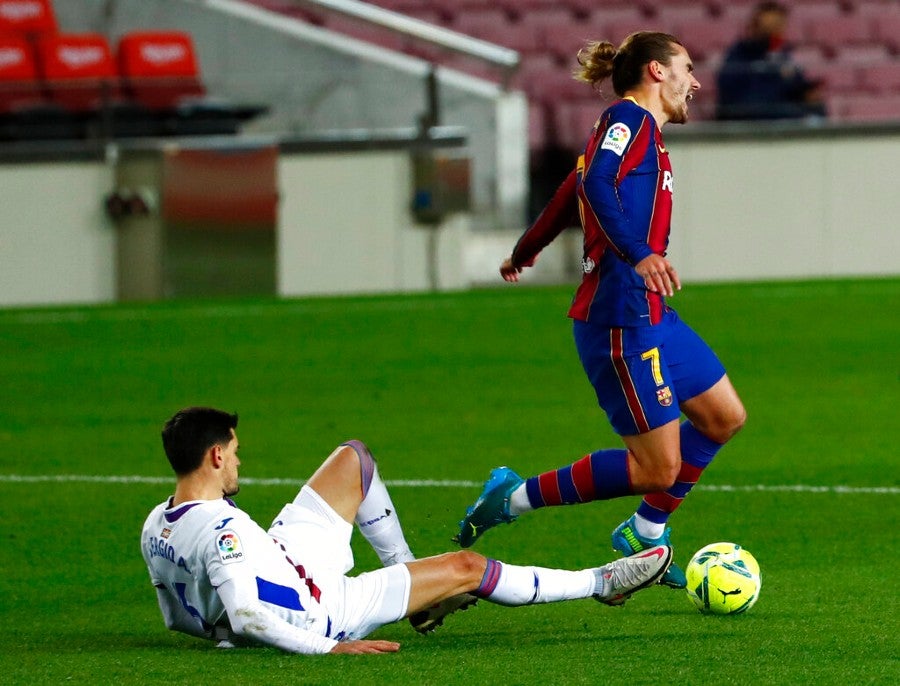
point(723, 579)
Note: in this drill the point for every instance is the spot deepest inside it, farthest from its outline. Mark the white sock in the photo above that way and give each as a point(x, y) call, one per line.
point(377, 520)
point(519, 502)
point(529, 585)
point(647, 529)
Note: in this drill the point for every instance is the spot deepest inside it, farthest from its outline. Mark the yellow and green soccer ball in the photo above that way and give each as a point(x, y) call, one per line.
point(723, 579)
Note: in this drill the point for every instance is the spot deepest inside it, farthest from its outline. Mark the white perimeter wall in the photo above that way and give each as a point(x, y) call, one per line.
point(773, 209)
point(345, 227)
point(823, 206)
point(56, 245)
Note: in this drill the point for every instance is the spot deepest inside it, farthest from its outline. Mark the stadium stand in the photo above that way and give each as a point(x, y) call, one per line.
point(57, 85)
point(853, 46)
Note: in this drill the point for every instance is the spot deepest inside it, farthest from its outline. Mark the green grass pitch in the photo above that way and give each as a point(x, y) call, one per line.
point(445, 387)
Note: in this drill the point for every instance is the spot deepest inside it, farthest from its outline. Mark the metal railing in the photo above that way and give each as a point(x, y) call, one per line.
point(505, 60)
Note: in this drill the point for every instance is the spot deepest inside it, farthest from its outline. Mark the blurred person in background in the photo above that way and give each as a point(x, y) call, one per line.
point(759, 78)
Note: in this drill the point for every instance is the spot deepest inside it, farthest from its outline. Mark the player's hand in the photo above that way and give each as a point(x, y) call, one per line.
point(365, 647)
point(510, 272)
point(658, 274)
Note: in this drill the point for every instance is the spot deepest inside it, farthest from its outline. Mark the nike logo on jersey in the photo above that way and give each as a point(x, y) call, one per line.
point(662, 150)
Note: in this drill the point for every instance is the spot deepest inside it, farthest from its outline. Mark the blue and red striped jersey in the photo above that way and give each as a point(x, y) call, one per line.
point(622, 191)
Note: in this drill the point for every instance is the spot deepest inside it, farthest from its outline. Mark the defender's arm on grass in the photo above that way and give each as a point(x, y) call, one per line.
point(176, 616)
point(250, 619)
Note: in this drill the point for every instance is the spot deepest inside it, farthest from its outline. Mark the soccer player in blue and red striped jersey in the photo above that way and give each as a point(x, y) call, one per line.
point(645, 364)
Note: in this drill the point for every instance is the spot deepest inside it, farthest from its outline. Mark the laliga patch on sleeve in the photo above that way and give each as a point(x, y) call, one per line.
point(230, 549)
point(616, 138)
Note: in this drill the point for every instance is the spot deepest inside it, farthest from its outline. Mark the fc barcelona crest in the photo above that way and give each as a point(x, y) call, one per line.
point(664, 396)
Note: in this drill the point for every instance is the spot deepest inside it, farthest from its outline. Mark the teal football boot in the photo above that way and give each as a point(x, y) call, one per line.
point(491, 508)
point(626, 540)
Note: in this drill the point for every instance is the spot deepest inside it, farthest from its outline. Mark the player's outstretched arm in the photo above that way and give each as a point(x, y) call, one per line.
point(365, 647)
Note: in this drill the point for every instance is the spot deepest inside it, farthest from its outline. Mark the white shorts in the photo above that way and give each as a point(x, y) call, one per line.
point(317, 537)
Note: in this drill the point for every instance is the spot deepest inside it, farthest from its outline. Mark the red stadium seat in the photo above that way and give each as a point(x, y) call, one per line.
point(526, 38)
point(547, 16)
point(576, 119)
point(875, 9)
point(737, 12)
point(19, 83)
point(609, 23)
point(552, 84)
point(159, 68)
point(585, 7)
point(809, 57)
point(29, 18)
point(708, 38)
point(160, 73)
point(618, 22)
point(537, 126)
point(802, 12)
point(833, 32)
point(563, 41)
point(78, 70)
point(887, 28)
point(837, 77)
point(489, 23)
point(26, 113)
point(668, 17)
point(881, 77)
point(862, 108)
point(865, 54)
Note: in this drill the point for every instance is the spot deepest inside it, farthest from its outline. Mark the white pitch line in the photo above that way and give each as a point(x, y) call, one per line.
point(428, 483)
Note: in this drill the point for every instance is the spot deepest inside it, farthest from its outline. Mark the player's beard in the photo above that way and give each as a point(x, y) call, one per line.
point(676, 108)
point(230, 489)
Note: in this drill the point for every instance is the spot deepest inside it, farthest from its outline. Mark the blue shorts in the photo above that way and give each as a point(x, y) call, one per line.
point(641, 374)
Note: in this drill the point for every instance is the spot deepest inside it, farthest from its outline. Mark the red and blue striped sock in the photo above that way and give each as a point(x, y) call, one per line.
point(599, 476)
point(697, 451)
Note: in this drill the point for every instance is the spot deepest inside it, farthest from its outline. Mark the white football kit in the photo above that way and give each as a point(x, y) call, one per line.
point(219, 574)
